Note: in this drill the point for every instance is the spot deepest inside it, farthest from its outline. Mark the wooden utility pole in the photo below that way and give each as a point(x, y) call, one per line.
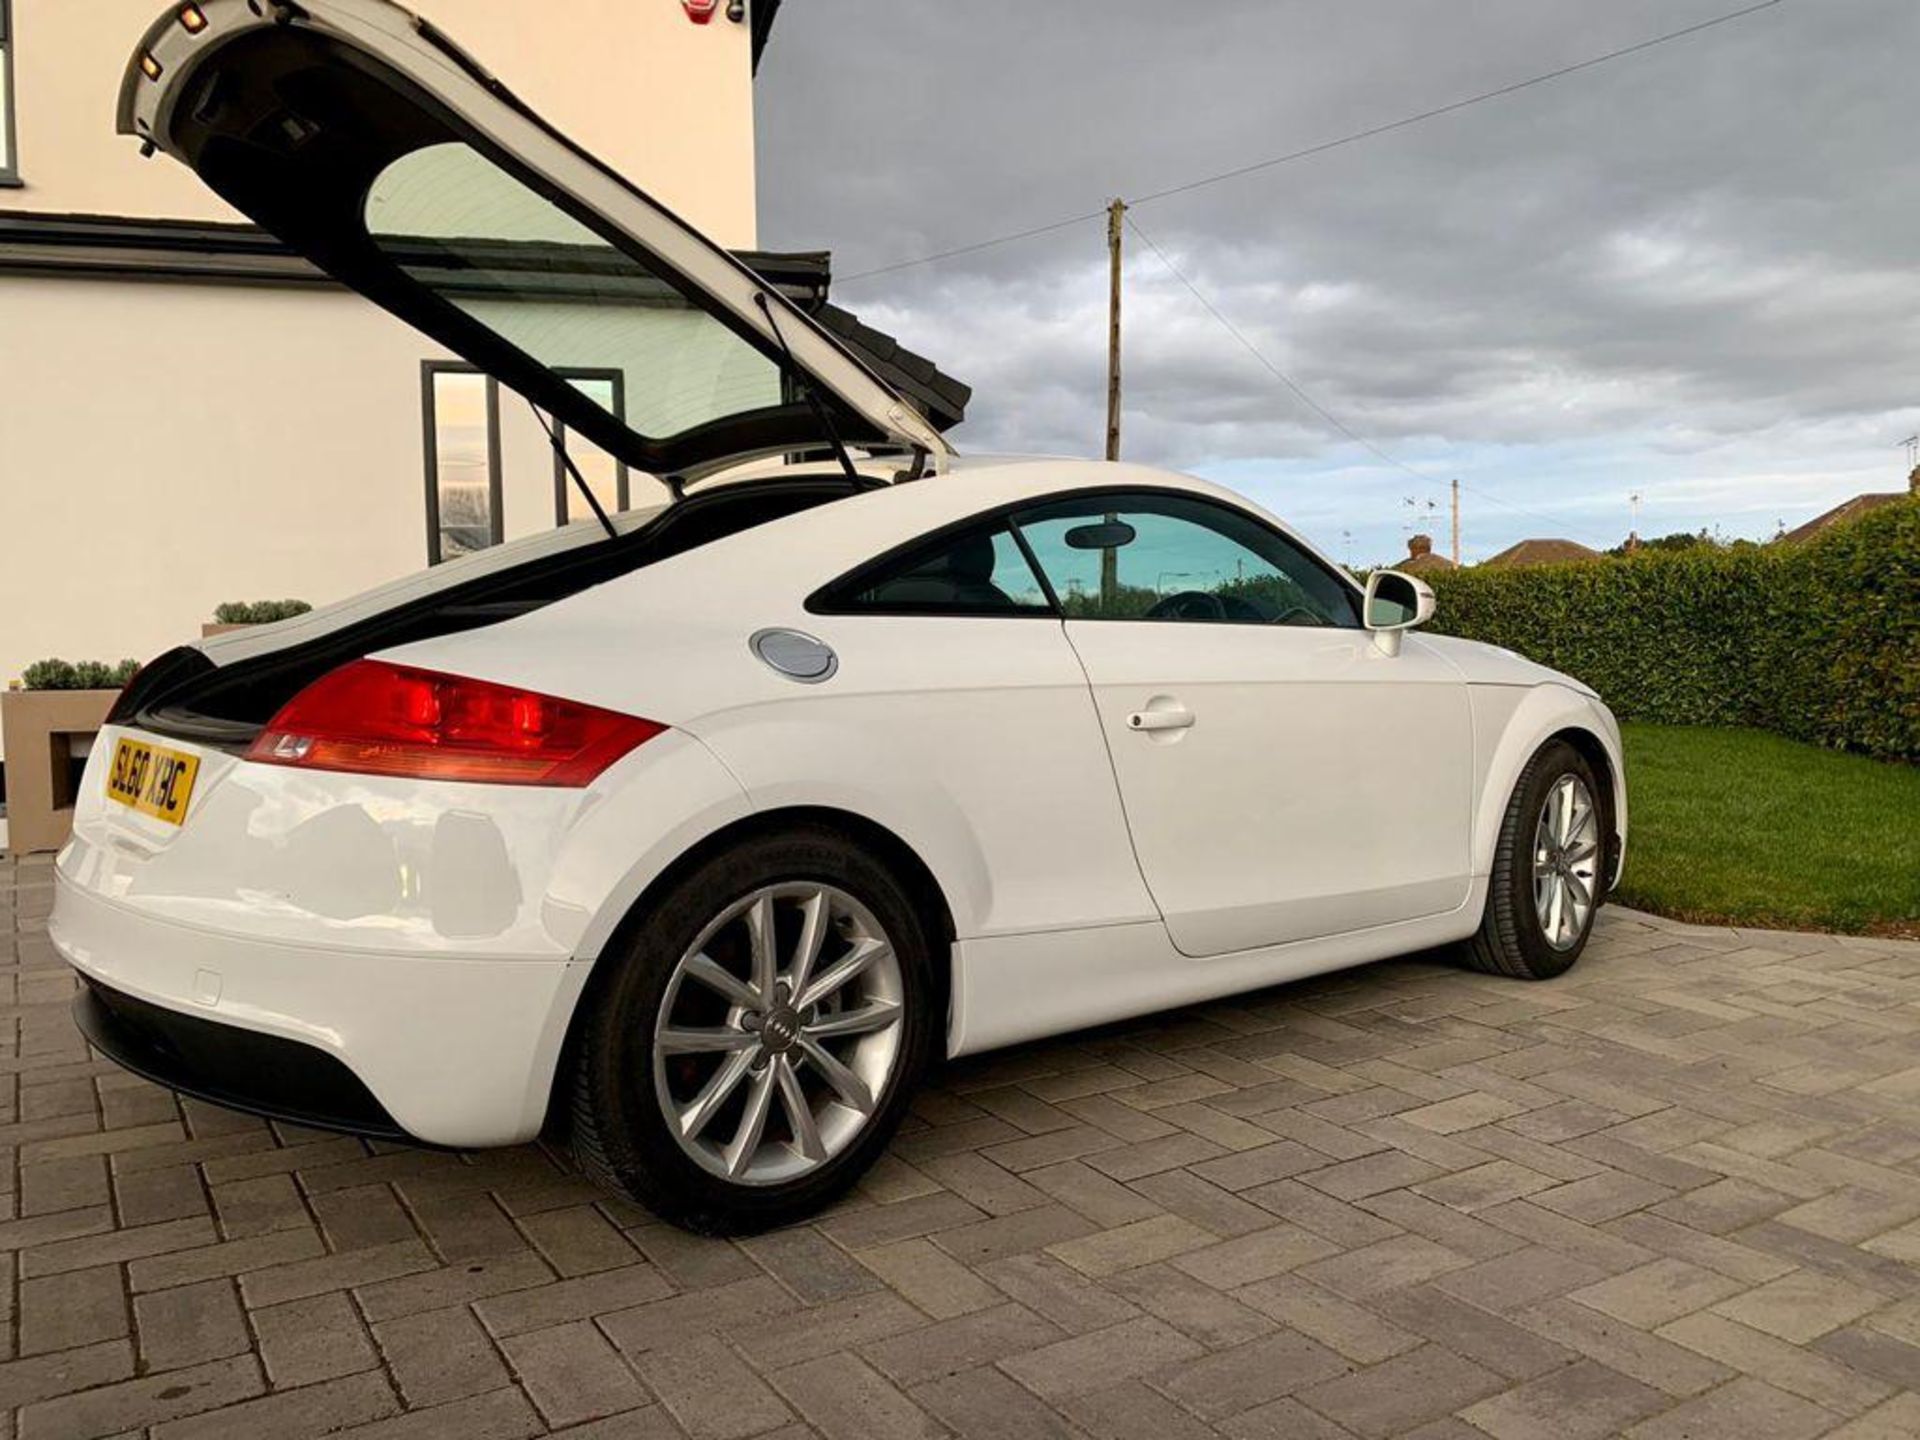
point(1116, 217)
point(1110, 557)
point(1456, 524)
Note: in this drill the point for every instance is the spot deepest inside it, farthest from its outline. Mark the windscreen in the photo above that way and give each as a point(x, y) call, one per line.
point(462, 227)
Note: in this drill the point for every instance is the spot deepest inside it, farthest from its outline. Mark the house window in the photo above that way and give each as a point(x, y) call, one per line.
point(461, 413)
point(9, 166)
point(605, 476)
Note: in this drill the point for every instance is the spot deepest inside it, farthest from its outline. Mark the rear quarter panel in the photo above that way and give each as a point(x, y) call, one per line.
point(975, 742)
point(972, 740)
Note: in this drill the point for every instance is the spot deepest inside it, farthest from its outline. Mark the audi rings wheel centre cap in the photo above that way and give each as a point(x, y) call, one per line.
point(779, 1031)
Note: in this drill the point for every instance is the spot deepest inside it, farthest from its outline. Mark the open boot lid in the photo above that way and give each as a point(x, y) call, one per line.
point(357, 133)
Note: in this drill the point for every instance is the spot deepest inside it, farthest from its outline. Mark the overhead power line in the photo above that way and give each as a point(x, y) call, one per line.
point(1300, 393)
point(1482, 98)
point(992, 244)
point(1322, 147)
point(1586, 535)
point(1272, 369)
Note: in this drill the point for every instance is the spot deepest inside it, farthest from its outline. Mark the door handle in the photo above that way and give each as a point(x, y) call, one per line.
point(1174, 717)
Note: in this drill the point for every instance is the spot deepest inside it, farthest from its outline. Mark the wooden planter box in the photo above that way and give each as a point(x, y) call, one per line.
point(46, 731)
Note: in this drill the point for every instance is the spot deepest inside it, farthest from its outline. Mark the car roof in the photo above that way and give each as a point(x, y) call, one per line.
point(790, 558)
point(809, 549)
point(675, 617)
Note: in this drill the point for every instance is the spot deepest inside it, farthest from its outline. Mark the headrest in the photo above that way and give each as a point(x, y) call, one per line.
point(972, 558)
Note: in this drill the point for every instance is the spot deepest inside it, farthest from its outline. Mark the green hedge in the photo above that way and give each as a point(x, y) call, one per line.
point(258, 612)
point(1820, 642)
point(80, 675)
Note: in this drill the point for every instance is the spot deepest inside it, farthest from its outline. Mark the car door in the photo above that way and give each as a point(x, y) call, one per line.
point(1283, 777)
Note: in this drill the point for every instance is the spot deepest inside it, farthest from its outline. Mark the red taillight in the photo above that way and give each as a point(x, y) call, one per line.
point(377, 719)
point(700, 11)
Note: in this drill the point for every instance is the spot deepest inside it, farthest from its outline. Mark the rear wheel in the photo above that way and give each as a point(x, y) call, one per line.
point(756, 1038)
point(1546, 884)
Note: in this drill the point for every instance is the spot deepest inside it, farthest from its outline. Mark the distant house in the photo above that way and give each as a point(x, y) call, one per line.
point(1541, 552)
point(1850, 510)
point(1420, 556)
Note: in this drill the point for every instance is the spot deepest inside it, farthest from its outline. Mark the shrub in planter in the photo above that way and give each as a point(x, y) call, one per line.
point(84, 675)
point(258, 612)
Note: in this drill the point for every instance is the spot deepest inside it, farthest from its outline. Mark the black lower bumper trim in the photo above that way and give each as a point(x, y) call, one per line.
point(227, 1065)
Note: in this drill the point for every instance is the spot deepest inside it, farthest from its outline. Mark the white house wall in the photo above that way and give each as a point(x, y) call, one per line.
point(166, 445)
point(169, 446)
point(667, 103)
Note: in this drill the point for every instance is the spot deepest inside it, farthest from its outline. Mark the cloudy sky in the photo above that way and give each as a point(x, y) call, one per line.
point(1691, 273)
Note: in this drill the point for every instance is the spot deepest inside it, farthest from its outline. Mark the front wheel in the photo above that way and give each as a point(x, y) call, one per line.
point(757, 1037)
point(1547, 879)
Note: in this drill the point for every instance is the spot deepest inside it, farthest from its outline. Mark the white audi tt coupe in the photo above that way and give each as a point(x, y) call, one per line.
point(697, 833)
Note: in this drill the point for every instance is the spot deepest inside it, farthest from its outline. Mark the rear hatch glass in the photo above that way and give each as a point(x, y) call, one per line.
point(362, 138)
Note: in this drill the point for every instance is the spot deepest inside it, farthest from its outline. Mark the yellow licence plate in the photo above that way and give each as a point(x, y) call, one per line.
point(151, 779)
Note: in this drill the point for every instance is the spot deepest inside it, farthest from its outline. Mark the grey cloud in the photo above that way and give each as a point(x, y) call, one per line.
point(1696, 246)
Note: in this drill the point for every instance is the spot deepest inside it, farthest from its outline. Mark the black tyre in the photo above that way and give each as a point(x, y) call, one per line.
point(1549, 870)
point(752, 1041)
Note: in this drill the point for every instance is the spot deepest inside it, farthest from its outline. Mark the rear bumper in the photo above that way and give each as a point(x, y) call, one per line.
point(240, 1069)
point(457, 1052)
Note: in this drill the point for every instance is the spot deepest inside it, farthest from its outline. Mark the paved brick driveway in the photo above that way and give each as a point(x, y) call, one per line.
point(1677, 1194)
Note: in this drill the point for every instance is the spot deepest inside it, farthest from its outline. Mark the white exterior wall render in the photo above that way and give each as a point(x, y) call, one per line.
point(167, 445)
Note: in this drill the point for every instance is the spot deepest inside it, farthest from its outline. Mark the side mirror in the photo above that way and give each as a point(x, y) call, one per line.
point(1395, 604)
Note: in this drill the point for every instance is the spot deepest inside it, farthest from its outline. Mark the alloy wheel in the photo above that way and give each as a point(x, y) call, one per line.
point(778, 1033)
point(1566, 862)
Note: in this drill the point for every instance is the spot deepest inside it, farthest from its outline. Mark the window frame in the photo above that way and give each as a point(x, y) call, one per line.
point(841, 597)
point(9, 104)
point(496, 486)
point(836, 597)
point(563, 488)
point(1355, 593)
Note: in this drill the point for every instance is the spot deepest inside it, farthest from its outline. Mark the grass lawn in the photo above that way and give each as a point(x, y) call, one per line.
point(1742, 827)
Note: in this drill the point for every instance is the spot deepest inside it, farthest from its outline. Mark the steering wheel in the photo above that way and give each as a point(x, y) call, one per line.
point(1285, 617)
point(1187, 605)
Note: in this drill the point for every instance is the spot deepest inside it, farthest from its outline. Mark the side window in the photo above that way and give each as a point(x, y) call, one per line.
point(606, 477)
point(462, 420)
point(1150, 556)
point(977, 572)
point(9, 165)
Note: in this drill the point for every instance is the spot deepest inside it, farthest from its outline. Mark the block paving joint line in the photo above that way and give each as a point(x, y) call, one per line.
point(1673, 1193)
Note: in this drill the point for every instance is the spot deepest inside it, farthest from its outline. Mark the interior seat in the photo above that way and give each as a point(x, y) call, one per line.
point(960, 576)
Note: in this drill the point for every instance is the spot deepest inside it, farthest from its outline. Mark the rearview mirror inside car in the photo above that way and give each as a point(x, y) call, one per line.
point(1101, 535)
